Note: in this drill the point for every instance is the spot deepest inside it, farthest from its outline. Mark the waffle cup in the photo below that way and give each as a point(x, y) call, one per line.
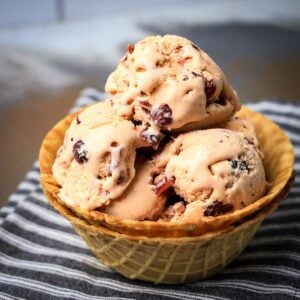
point(166, 252)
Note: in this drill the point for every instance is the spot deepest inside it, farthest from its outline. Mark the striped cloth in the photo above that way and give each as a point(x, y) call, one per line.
point(41, 257)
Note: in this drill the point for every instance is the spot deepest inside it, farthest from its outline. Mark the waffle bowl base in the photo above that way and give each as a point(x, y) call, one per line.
point(171, 260)
point(163, 253)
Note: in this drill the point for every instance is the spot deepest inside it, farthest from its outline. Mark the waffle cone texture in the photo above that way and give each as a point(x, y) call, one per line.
point(166, 252)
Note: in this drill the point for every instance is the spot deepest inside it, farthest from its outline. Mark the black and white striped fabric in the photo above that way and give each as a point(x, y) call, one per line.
point(41, 257)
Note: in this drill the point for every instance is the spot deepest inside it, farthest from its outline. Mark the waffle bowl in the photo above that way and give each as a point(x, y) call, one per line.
point(165, 252)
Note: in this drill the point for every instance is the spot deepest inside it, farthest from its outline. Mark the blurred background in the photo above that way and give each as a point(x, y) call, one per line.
point(51, 49)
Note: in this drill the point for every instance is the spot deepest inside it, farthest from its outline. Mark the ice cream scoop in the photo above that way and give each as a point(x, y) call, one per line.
point(96, 161)
point(169, 83)
point(214, 171)
point(141, 200)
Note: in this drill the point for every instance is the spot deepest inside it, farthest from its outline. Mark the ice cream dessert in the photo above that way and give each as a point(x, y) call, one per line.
point(167, 83)
point(165, 181)
point(96, 161)
point(163, 85)
point(214, 171)
point(141, 200)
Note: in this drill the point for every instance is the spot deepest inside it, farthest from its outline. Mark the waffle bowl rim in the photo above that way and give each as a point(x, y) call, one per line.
point(183, 230)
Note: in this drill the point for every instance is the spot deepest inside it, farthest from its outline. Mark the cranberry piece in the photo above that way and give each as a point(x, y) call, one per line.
point(183, 60)
point(77, 120)
point(217, 208)
point(149, 137)
point(130, 48)
point(162, 115)
point(163, 185)
point(145, 105)
point(79, 153)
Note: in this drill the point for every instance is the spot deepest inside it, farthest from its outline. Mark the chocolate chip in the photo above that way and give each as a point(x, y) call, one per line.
point(137, 122)
point(185, 77)
point(242, 165)
point(196, 74)
point(217, 208)
point(162, 115)
point(239, 164)
point(195, 47)
point(79, 153)
point(174, 198)
point(209, 87)
point(77, 120)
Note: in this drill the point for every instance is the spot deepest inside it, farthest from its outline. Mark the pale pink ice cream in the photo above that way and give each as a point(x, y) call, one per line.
point(140, 201)
point(96, 161)
point(168, 83)
point(214, 171)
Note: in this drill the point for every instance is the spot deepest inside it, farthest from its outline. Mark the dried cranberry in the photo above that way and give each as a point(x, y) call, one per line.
point(163, 185)
point(183, 60)
point(209, 87)
point(217, 208)
point(162, 115)
point(149, 137)
point(130, 48)
point(79, 153)
point(77, 120)
point(145, 105)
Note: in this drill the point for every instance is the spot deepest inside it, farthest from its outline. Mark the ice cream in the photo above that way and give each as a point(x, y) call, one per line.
point(246, 127)
point(163, 86)
point(140, 201)
point(169, 83)
point(96, 161)
point(214, 171)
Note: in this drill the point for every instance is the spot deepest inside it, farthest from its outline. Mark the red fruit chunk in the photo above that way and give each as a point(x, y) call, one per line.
point(217, 208)
point(163, 185)
point(130, 48)
point(150, 138)
point(145, 105)
point(79, 153)
point(162, 115)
